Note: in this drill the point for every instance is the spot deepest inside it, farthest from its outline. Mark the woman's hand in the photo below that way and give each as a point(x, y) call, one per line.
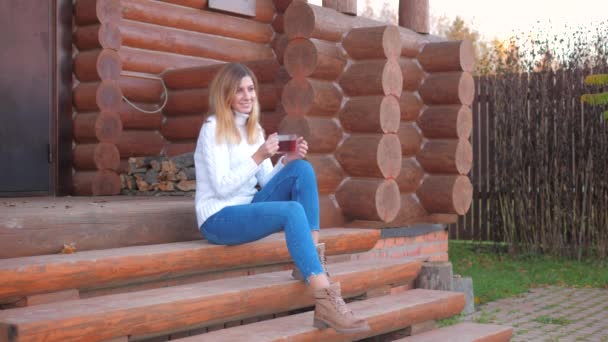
point(267, 149)
point(299, 153)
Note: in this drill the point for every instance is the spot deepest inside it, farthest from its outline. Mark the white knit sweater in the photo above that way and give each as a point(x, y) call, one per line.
point(226, 174)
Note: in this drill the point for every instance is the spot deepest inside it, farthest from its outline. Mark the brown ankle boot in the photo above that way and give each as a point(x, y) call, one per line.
point(331, 311)
point(296, 274)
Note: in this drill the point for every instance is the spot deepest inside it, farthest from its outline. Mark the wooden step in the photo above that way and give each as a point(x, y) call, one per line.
point(384, 314)
point(181, 307)
point(37, 226)
point(50, 273)
point(465, 332)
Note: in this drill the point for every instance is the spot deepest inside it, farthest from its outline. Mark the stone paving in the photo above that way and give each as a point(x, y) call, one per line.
point(551, 314)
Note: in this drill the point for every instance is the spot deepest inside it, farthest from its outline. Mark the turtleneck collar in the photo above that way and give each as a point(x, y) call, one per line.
point(240, 118)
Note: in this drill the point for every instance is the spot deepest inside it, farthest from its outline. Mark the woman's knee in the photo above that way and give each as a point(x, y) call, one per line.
point(304, 168)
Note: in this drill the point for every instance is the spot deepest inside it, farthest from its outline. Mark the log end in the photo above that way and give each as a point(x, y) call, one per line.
point(466, 89)
point(467, 56)
point(464, 122)
point(410, 105)
point(106, 156)
point(410, 138)
point(108, 96)
point(464, 156)
point(391, 42)
point(388, 200)
point(109, 65)
point(108, 10)
point(297, 96)
point(446, 194)
point(389, 156)
point(108, 127)
point(299, 20)
point(392, 79)
point(300, 58)
point(411, 175)
point(390, 114)
point(109, 36)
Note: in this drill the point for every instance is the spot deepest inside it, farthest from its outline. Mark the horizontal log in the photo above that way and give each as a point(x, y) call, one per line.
point(328, 171)
point(133, 118)
point(410, 212)
point(196, 101)
point(96, 183)
point(90, 37)
point(414, 15)
point(279, 44)
point(314, 58)
point(410, 105)
point(322, 134)
point(95, 65)
point(201, 76)
point(87, 12)
point(369, 199)
point(448, 56)
point(411, 175)
point(175, 149)
point(410, 138)
point(371, 114)
point(344, 6)
point(412, 42)
point(93, 96)
point(378, 42)
point(373, 77)
point(413, 75)
point(140, 144)
point(449, 156)
point(329, 212)
point(182, 127)
point(101, 156)
point(446, 122)
point(370, 155)
point(448, 88)
point(264, 9)
point(92, 127)
point(154, 37)
point(141, 89)
point(155, 62)
point(311, 97)
point(99, 268)
point(191, 19)
point(303, 20)
point(271, 120)
point(446, 194)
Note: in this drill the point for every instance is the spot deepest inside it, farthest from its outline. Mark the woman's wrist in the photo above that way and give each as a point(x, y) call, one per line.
point(257, 158)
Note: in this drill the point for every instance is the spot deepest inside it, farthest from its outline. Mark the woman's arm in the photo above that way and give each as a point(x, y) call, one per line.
point(212, 162)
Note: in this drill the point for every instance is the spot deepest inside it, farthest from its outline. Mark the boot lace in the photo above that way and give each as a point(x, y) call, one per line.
point(339, 304)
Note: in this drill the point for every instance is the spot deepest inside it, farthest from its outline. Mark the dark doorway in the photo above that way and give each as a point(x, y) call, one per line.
point(27, 97)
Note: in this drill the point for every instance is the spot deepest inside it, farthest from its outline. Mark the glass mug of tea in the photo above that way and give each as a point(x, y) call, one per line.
point(287, 143)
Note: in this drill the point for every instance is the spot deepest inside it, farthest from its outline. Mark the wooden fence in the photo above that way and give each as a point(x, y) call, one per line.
point(540, 163)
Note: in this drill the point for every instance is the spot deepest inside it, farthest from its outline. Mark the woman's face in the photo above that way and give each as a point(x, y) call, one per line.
point(245, 96)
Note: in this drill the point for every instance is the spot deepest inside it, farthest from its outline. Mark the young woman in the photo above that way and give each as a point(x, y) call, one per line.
point(231, 158)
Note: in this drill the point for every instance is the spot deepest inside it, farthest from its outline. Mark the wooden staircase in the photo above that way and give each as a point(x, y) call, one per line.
point(203, 292)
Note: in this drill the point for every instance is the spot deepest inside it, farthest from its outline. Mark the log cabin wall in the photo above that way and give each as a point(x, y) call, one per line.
point(122, 48)
point(354, 87)
point(349, 78)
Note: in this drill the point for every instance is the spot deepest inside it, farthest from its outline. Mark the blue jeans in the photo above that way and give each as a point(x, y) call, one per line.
point(288, 202)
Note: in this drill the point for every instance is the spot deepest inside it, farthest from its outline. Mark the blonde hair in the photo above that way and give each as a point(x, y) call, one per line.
point(222, 90)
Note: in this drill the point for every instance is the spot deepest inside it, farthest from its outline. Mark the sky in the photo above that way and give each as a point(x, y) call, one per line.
point(498, 19)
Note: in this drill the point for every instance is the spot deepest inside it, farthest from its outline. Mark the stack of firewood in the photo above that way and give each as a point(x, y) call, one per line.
point(160, 174)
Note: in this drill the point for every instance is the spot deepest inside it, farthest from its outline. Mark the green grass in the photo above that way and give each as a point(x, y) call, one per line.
point(499, 275)
point(552, 320)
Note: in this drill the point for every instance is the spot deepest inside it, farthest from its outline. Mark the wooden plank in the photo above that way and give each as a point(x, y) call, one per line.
point(213, 302)
point(36, 226)
point(478, 158)
point(482, 150)
point(491, 164)
point(48, 273)
point(384, 314)
point(465, 332)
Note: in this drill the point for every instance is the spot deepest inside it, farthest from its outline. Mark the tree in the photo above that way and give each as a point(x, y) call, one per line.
point(597, 99)
point(387, 13)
